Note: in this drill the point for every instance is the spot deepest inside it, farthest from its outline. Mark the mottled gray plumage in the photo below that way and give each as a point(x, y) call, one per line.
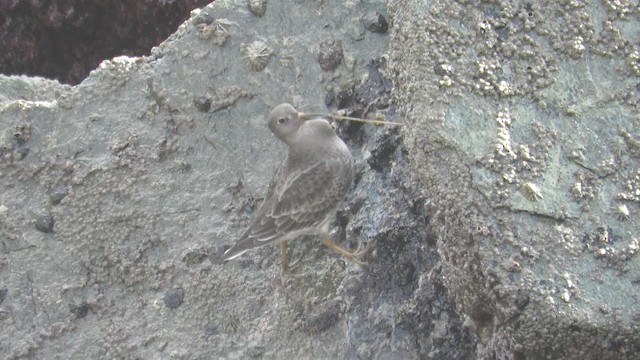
point(308, 186)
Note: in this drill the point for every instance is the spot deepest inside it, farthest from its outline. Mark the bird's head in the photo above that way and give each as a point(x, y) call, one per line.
point(284, 121)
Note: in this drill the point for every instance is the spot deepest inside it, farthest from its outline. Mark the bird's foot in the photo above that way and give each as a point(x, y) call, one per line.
point(354, 256)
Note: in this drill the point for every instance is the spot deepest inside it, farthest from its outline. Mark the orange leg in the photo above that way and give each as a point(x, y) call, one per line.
point(351, 255)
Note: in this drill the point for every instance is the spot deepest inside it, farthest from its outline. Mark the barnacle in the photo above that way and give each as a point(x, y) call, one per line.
point(531, 191)
point(622, 211)
point(257, 7)
point(257, 55)
point(330, 54)
point(216, 29)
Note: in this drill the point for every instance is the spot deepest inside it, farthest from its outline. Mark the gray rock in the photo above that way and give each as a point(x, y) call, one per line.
point(502, 216)
point(530, 169)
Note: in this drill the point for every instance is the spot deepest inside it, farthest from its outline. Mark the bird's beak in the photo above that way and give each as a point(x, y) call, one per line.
point(305, 116)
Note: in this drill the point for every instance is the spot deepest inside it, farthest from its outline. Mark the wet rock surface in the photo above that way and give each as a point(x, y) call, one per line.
point(153, 166)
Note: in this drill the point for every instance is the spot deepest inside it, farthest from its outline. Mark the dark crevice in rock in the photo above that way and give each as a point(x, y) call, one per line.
point(66, 40)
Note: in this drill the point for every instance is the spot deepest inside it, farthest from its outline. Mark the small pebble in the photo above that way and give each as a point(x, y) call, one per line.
point(80, 310)
point(44, 222)
point(56, 197)
point(202, 103)
point(375, 22)
point(173, 298)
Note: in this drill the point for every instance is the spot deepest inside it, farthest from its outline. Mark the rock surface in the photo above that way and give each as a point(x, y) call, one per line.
point(146, 172)
point(524, 134)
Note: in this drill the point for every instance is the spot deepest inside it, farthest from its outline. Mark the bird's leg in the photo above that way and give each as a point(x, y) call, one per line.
point(284, 262)
point(351, 255)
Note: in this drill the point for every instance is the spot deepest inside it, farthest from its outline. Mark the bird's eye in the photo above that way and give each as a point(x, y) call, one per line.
point(282, 120)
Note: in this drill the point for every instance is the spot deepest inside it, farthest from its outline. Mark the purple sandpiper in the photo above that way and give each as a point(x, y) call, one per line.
point(307, 188)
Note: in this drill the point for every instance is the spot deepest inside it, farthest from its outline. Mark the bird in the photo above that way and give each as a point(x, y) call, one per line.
point(307, 188)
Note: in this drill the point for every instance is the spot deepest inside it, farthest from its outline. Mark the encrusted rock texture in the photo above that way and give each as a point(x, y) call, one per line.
point(503, 214)
point(523, 131)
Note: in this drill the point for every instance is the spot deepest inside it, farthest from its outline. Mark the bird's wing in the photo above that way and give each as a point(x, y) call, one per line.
point(299, 201)
point(276, 179)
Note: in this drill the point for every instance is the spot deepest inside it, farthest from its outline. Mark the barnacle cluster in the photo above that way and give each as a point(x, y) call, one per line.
point(632, 187)
point(215, 29)
point(586, 186)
